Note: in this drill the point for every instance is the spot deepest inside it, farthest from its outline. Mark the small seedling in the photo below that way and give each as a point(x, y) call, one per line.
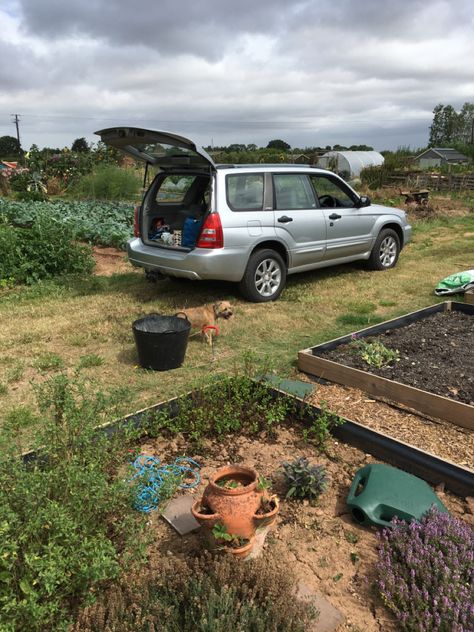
point(320, 430)
point(228, 484)
point(263, 483)
point(220, 533)
point(304, 480)
point(337, 577)
point(351, 537)
point(354, 558)
point(375, 353)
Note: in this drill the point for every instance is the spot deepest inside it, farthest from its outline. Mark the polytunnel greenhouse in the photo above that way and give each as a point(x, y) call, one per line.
point(349, 164)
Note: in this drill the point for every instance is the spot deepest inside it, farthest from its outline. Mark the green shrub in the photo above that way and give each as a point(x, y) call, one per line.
point(202, 595)
point(109, 183)
point(66, 518)
point(45, 250)
point(303, 479)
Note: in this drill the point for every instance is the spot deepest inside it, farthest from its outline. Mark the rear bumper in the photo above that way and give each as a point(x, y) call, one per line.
point(221, 264)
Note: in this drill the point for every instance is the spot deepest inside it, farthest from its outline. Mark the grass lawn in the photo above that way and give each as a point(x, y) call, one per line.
point(85, 325)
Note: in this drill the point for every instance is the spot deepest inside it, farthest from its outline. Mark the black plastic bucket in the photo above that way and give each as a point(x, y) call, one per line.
point(161, 341)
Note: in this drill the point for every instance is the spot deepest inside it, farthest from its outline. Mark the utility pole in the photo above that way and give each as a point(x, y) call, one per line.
point(16, 120)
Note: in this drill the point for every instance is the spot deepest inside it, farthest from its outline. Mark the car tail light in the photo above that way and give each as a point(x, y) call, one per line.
point(211, 233)
point(136, 225)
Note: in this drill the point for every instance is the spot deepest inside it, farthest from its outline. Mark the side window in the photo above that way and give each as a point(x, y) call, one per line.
point(292, 191)
point(330, 194)
point(245, 191)
point(173, 189)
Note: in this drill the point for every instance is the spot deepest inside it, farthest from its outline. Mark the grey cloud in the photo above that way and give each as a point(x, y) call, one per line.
point(203, 28)
point(323, 72)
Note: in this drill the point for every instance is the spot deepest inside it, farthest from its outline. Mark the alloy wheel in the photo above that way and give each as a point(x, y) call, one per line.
point(267, 277)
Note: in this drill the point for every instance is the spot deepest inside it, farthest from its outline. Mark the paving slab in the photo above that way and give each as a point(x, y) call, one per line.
point(330, 618)
point(178, 514)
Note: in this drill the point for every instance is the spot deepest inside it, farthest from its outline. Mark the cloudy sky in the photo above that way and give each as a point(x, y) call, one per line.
point(312, 72)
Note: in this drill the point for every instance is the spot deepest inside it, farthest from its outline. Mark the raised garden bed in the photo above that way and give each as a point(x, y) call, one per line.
point(435, 369)
point(260, 427)
point(328, 553)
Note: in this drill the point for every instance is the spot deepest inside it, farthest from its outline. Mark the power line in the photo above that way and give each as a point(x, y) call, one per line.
point(345, 117)
point(16, 121)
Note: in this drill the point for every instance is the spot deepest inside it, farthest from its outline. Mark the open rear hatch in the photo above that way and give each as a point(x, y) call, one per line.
point(161, 149)
point(178, 201)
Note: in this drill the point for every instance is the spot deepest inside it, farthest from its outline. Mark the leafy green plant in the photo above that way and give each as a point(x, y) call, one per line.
point(220, 532)
point(46, 249)
point(303, 479)
point(374, 353)
point(101, 222)
point(226, 406)
point(65, 519)
point(319, 431)
point(263, 483)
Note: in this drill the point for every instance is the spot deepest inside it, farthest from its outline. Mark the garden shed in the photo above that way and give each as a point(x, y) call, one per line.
point(350, 163)
point(438, 156)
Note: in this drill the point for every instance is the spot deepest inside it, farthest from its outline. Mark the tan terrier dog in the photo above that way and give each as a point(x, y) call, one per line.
point(204, 318)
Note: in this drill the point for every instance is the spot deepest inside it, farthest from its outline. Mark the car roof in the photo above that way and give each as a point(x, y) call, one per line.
point(259, 167)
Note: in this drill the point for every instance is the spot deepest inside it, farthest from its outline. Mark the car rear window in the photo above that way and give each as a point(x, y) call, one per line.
point(245, 191)
point(173, 189)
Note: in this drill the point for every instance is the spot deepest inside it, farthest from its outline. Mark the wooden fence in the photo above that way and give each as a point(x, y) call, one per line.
point(432, 181)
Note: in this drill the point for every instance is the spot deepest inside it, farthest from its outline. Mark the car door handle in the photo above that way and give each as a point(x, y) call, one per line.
point(284, 219)
point(334, 216)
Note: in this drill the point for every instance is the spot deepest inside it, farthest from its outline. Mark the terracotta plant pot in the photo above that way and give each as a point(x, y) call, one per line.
point(268, 518)
point(206, 518)
point(241, 551)
point(235, 506)
point(232, 500)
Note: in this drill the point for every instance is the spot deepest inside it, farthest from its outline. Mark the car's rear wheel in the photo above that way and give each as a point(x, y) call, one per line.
point(264, 278)
point(386, 250)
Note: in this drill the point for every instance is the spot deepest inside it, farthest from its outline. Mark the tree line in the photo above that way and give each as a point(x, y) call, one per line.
point(452, 128)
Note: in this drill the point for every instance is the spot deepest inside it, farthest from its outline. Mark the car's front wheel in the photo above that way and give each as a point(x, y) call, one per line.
point(264, 278)
point(386, 250)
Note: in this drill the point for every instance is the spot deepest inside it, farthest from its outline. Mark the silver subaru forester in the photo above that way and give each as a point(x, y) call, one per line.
point(251, 224)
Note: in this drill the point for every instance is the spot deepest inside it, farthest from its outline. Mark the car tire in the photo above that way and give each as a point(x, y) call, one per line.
point(264, 278)
point(386, 250)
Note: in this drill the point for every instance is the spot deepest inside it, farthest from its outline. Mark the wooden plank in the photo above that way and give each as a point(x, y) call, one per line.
point(457, 413)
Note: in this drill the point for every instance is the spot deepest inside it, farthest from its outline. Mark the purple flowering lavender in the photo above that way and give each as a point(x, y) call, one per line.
point(426, 573)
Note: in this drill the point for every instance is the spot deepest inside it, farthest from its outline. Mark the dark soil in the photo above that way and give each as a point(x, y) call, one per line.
point(436, 355)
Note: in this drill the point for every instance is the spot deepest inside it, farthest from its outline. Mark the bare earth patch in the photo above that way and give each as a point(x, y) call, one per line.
point(109, 261)
point(434, 355)
point(330, 553)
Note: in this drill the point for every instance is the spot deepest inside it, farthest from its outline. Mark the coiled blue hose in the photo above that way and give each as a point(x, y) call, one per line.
point(151, 475)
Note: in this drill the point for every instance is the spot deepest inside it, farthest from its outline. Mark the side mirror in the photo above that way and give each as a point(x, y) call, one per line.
point(364, 200)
